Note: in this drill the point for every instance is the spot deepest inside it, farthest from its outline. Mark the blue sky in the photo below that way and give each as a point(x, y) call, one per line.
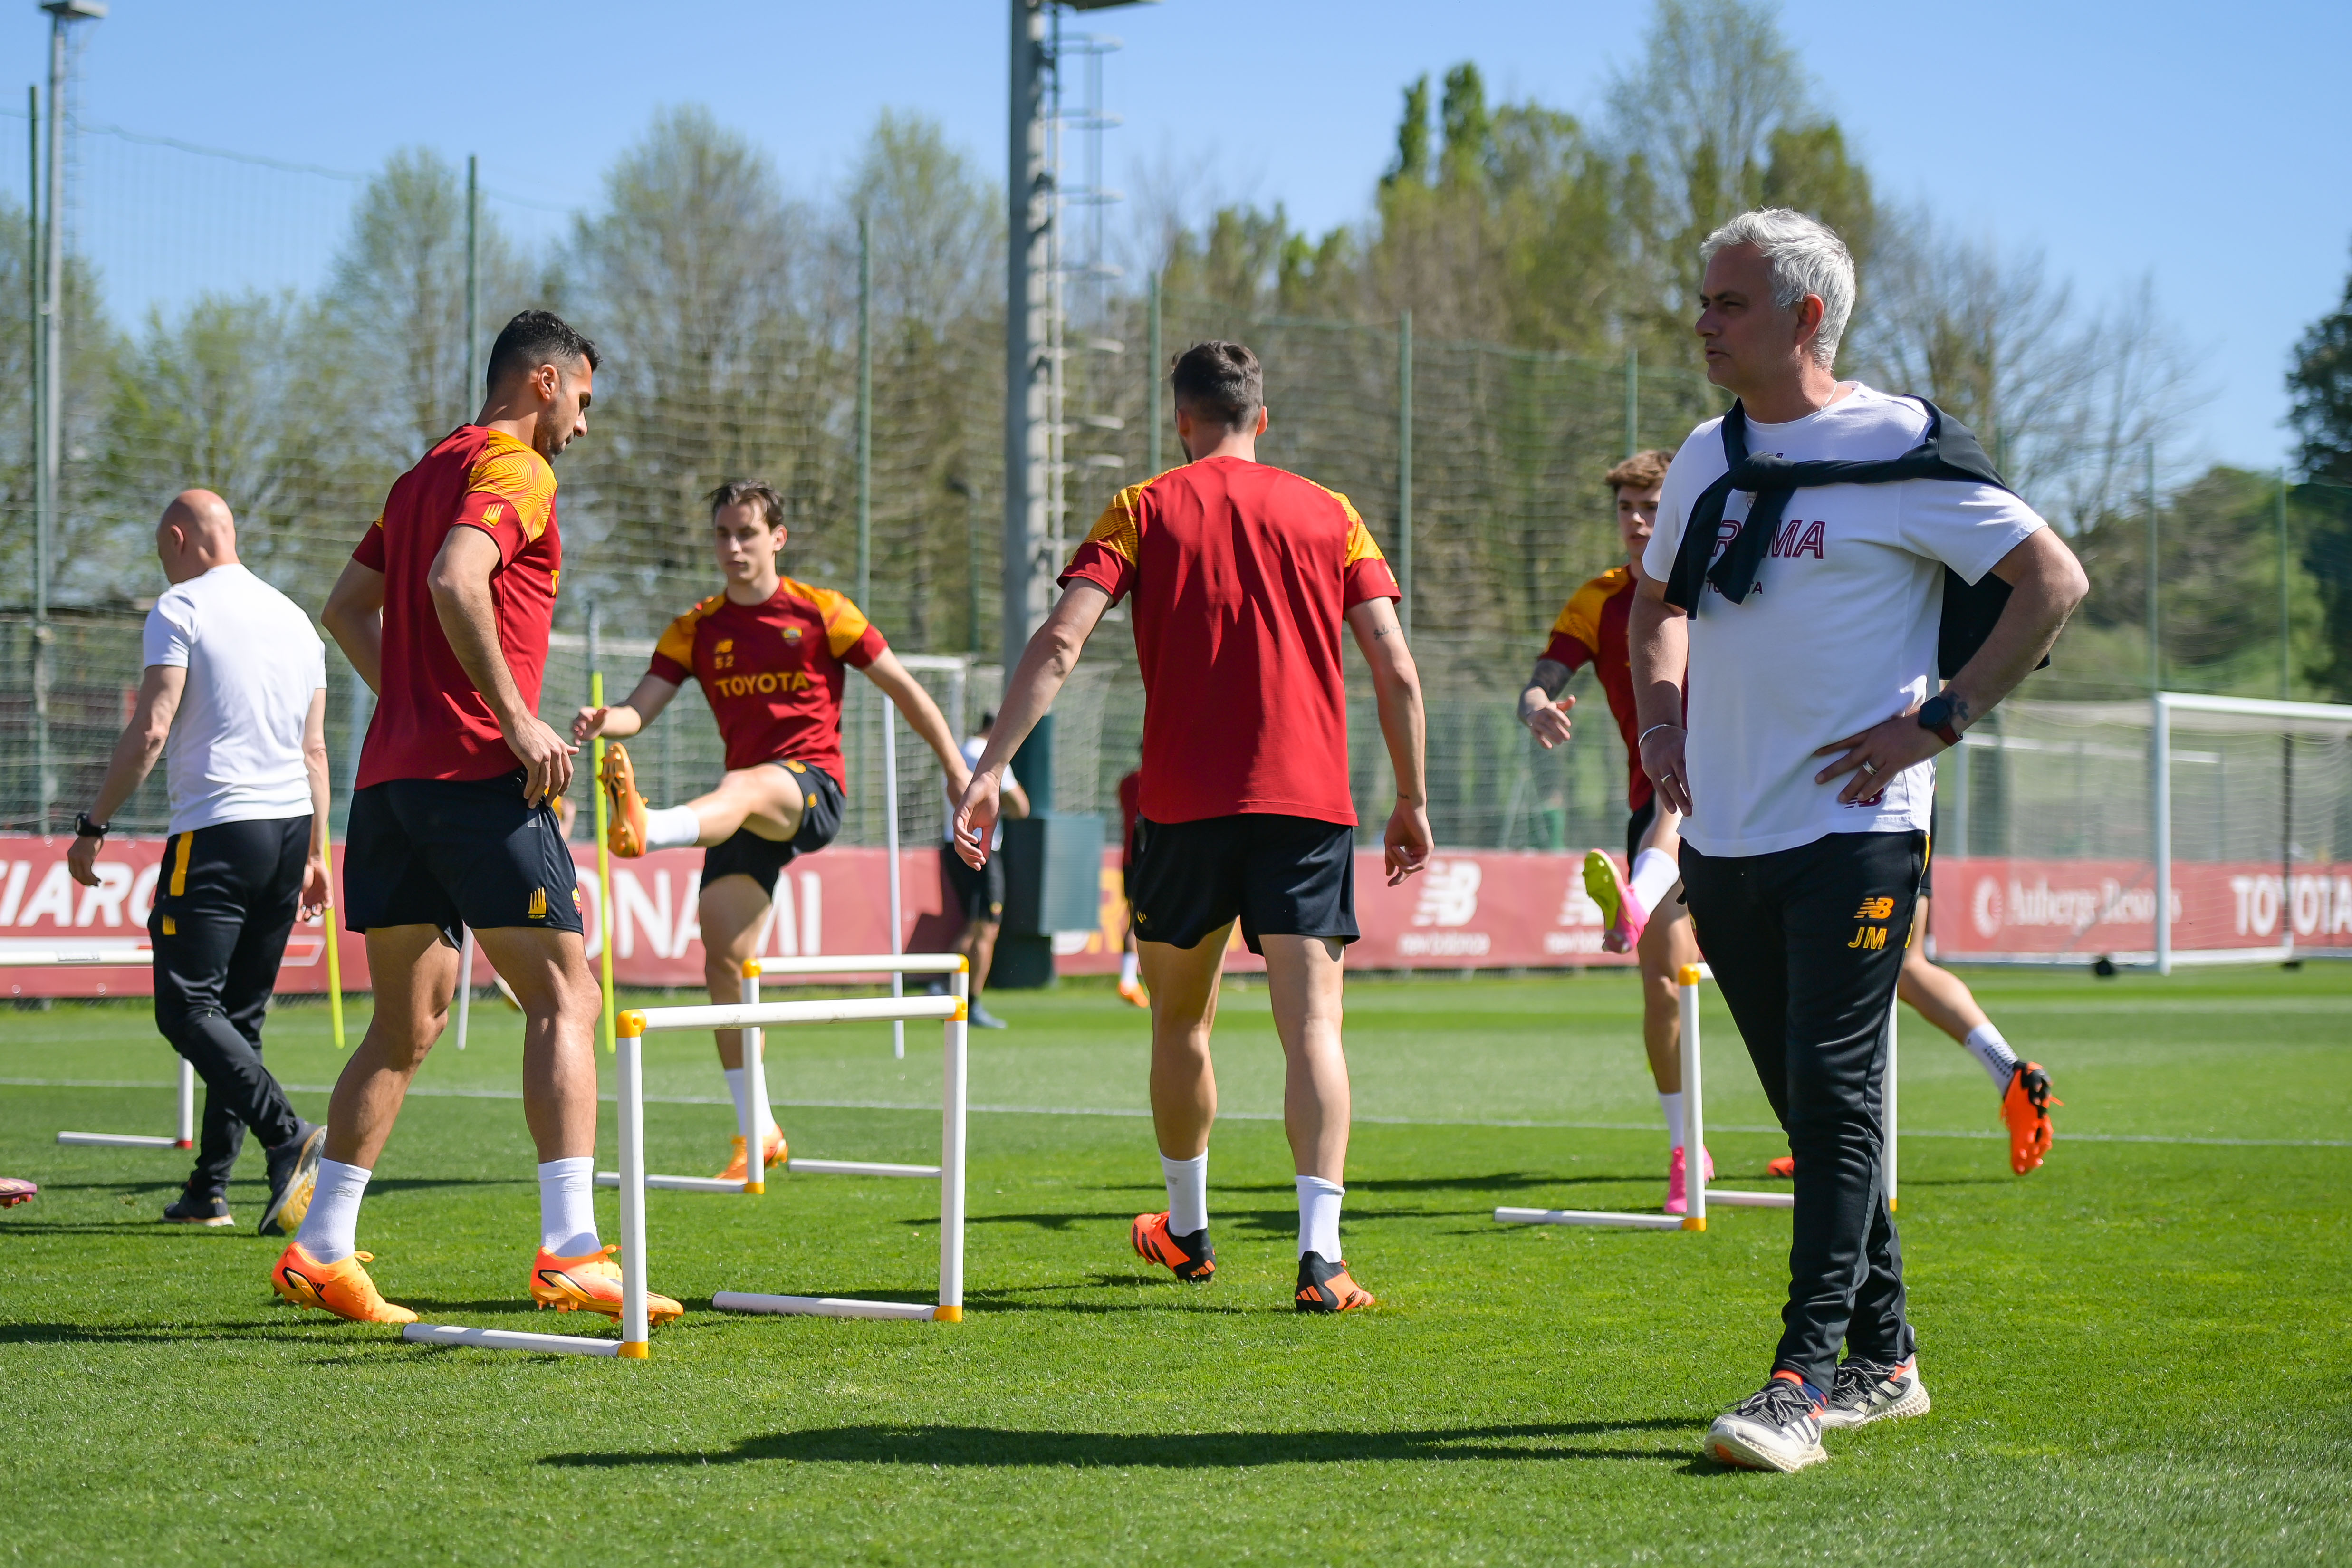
point(2199, 144)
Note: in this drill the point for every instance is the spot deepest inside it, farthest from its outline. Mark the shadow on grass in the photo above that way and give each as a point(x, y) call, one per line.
point(996, 1448)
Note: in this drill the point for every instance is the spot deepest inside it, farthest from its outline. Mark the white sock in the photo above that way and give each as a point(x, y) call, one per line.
point(329, 1231)
point(767, 1107)
point(1126, 968)
point(567, 1206)
point(1654, 875)
point(1985, 1043)
point(1188, 1194)
point(1319, 1217)
point(675, 828)
point(1672, 1104)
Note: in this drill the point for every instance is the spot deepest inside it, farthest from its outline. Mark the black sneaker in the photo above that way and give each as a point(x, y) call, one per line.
point(1778, 1427)
point(1867, 1390)
point(207, 1209)
point(293, 1178)
point(1324, 1287)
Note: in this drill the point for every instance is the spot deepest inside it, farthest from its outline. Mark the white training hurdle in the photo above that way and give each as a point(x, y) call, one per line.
point(952, 965)
point(632, 1026)
point(1697, 1194)
point(113, 955)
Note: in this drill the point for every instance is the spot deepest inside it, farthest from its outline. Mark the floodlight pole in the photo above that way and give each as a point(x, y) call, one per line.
point(1028, 573)
point(473, 388)
point(63, 14)
point(2155, 643)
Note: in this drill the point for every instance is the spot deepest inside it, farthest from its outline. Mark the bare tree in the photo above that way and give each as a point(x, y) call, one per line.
point(1715, 80)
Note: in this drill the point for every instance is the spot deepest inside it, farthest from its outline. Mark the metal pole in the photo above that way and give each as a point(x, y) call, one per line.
point(36, 333)
point(473, 390)
point(890, 845)
point(2160, 763)
point(634, 1341)
point(465, 985)
point(1404, 469)
point(972, 568)
point(2155, 643)
point(1159, 378)
point(1632, 397)
point(951, 1159)
point(865, 417)
point(2287, 623)
point(1026, 573)
point(755, 1101)
point(52, 406)
point(1694, 1102)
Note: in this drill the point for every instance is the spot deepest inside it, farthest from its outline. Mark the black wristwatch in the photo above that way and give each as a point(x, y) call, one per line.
point(1935, 717)
point(84, 828)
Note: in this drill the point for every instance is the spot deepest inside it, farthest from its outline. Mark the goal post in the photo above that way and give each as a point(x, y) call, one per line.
point(2293, 810)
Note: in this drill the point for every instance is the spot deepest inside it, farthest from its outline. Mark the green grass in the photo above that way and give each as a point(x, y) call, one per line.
point(2138, 1354)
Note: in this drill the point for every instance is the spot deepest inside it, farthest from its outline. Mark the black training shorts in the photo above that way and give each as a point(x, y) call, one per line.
point(1637, 827)
point(979, 893)
point(1281, 875)
point(761, 859)
point(452, 852)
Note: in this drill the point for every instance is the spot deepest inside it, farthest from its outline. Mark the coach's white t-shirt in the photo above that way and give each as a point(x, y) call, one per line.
point(1839, 632)
point(253, 660)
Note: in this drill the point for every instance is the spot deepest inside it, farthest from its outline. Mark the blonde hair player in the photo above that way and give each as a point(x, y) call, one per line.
point(772, 655)
point(1642, 907)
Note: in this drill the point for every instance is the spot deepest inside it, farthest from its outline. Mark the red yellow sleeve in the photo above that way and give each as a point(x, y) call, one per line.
point(1575, 635)
point(1106, 556)
point(848, 632)
point(510, 495)
point(673, 658)
point(370, 552)
point(1366, 574)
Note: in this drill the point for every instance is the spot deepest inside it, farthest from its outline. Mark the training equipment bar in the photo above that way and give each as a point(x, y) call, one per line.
point(1697, 1194)
point(633, 1025)
point(113, 956)
point(754, 1183)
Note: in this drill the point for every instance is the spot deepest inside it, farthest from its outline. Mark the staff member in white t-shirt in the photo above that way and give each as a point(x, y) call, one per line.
point(981, 890)
point(236, 682)
point(1804, 780)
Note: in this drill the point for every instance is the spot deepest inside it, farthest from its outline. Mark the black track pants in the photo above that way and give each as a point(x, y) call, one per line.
point(1805, 945)
point(224, 904)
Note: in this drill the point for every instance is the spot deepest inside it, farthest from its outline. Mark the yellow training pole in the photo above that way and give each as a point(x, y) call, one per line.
point(604, 863)
point(334, 945)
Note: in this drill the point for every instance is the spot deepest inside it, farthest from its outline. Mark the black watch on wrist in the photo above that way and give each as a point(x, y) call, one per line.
point(84, 828)
point(1935, 717)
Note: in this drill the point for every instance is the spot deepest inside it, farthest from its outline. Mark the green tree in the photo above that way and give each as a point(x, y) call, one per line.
point(397, 301)
point(2319, 387)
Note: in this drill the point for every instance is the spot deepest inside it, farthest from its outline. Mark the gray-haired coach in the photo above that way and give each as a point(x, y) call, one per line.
point(1845, 550)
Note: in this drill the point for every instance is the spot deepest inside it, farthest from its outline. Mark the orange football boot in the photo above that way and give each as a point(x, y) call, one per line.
point(342, 1288)
point(591, 1283)
point(2025, 1106)
point(773, 1146)
point(1189, 1257)
point(625, 824)
point(1324, 1287)
point(1786, 1166)
point(1132, 993)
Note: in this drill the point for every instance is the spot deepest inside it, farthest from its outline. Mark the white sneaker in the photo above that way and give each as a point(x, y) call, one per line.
point(1778, 1427)
point(1867, 1390)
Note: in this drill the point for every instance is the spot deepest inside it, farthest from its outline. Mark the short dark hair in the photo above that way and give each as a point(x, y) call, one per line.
point(1219, 379)
point(743, 492)
point(532, 338)
point(988, 717)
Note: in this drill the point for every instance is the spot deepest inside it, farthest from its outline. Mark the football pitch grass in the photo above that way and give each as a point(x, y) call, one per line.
point(2138, 1354)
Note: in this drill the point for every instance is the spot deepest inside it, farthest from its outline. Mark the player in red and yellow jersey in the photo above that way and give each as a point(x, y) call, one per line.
point(771, 656)
point(1639, 906)
point(444, 610)
point(1241, 578)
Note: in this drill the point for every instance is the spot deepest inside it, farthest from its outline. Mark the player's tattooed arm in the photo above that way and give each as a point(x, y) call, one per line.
point(1542, 708)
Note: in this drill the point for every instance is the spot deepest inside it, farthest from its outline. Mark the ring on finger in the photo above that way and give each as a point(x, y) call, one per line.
point(1870, 768)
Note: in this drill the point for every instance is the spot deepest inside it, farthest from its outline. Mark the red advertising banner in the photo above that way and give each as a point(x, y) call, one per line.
point(1989, 907)
point(1475, 909)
